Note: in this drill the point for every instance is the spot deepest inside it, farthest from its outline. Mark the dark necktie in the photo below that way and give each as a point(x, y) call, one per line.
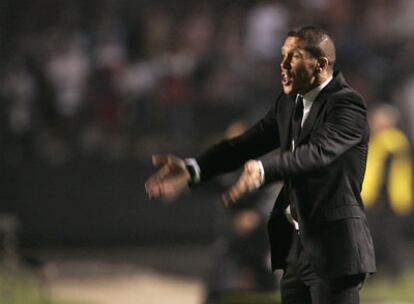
point(296, 128)
point(297, 121)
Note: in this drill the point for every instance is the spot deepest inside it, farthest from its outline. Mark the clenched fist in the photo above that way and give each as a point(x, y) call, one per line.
point(249, 181)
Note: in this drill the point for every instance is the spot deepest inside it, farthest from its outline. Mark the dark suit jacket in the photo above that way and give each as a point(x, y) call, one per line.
point(325, 175)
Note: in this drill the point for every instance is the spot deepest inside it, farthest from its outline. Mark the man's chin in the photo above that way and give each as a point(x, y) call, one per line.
point(287, 89)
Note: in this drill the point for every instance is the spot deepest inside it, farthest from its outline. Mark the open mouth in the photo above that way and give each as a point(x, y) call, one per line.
point(286, 78)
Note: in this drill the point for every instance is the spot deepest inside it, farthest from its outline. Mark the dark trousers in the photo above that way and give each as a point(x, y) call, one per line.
point(301, 285)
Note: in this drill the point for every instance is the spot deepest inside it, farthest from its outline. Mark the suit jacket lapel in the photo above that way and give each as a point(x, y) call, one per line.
point(310, 121)
point(318, 104)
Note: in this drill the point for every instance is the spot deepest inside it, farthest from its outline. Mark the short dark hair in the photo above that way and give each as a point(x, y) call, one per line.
point(317, 42)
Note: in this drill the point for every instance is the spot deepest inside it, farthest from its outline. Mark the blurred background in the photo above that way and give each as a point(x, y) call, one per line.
point(90, 89)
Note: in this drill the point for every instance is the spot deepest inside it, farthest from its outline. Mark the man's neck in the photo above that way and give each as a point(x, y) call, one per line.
point(318, 82)
point(311, 95)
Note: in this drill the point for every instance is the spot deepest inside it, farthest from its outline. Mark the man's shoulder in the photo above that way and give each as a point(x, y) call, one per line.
point(346, 94)
point(342, 92)
point(341, 89)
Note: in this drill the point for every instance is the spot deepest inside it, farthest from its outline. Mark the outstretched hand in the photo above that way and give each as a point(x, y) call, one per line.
point(248, 182)
point(170, 180)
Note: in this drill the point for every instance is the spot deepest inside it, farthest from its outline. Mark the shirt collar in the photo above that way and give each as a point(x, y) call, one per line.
point(311, 95)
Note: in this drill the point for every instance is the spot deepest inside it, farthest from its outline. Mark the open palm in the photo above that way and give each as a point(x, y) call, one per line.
point(170, 180)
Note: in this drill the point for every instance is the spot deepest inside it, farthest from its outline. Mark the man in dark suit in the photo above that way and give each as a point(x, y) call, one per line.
point(318, 229)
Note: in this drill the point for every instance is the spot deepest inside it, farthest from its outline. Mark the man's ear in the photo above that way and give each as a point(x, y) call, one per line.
point(323, 63)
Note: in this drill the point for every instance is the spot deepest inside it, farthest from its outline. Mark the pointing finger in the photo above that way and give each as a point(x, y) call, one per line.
point(235, 192)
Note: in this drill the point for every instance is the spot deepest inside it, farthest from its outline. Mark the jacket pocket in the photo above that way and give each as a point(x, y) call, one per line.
point(343, 212)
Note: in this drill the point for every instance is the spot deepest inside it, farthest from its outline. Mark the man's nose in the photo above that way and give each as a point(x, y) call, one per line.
point(284, 64)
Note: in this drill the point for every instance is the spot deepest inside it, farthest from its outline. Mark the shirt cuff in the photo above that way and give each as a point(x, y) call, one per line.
point(262, 174)
point(194, 169)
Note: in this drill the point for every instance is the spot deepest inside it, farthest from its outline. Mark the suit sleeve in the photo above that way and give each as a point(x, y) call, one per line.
point(229, 155)
point(344, 128)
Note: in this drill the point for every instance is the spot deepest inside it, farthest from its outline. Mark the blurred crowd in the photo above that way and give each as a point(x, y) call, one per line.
point(114, 79)
point(121, 79)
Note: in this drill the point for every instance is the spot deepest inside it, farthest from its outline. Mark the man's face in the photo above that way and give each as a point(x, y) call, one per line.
point(298, 68)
